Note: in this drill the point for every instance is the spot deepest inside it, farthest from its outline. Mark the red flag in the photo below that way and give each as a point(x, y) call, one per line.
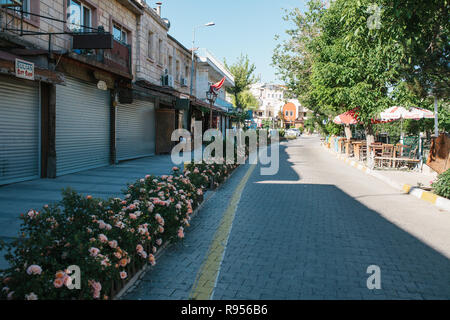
point(218, 85)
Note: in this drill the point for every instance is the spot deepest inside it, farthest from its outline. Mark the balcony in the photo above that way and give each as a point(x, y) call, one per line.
point(116, 60)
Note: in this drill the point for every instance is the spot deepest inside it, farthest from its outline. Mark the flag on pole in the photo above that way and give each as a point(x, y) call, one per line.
point(218, 85)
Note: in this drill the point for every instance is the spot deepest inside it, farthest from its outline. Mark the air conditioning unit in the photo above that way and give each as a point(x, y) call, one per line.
point(167, 80)
point(184, 82)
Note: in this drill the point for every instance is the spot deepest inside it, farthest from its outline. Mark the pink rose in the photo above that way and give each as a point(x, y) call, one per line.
point(58, 283)
point(31, 296)
point(94, 252)
point(113, 244)
point(133, 216)
point(103, 238)
point(32, 214)
point(34, 270)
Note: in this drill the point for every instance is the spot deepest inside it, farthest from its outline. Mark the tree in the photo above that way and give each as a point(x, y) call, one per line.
point(294, 57)
point(422, 30)
point(366, 54)
point(242, 72)
point(247, 100)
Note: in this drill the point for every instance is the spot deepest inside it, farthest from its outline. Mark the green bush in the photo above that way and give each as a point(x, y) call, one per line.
point(441, 186)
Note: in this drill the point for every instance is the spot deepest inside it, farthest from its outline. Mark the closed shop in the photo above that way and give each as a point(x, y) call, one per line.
point(19, 130)
point(135, 130)
point(82, 127)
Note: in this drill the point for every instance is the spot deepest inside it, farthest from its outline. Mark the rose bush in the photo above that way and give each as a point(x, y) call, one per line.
point(441, 186)
point(109, 240)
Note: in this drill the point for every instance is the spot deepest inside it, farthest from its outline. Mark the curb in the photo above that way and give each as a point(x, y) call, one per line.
point(429, 197)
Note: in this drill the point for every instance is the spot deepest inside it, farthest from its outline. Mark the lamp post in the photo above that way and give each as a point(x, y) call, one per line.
point(209, 24)
point(211, 96)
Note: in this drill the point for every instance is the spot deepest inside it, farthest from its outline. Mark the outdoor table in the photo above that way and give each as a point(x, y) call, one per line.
point(348, 147)
point(356, 149)
point(341, 144)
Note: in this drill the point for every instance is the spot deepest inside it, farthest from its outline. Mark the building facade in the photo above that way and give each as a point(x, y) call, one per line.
point(275, 107)
point(209, 71)
point(87, 83)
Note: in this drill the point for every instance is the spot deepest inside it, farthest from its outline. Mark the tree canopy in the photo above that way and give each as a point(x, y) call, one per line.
point(243, 73)
point(366, 54)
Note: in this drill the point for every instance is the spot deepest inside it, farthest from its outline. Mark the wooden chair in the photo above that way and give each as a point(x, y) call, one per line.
point(385, 159)
point(363, 151)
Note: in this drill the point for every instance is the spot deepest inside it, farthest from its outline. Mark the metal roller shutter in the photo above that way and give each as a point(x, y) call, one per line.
point(135, 135)
point(19, 130)
point(82, 127)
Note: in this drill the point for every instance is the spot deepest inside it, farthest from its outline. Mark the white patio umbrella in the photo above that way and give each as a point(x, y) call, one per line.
point(397, 113)
point(400, 113)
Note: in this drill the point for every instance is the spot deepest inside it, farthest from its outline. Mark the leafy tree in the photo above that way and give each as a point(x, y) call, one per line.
point(422, 30)
point(243, 73)
point(337, 58)
point(247, 100)
point(294, 57)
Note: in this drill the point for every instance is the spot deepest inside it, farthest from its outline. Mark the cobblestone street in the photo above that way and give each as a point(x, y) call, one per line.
point(309, 232)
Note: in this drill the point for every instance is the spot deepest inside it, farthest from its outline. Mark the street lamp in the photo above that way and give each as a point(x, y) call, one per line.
point(211, 96)
point(209, 24)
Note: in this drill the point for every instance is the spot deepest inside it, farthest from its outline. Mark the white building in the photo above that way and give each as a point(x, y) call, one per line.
point(272, 98)
point(209, 71)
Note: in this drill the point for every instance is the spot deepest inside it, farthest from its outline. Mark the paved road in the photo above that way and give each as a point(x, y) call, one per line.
point(309, 232)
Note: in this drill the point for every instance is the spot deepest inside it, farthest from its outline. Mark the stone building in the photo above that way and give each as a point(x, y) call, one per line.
point(87, 83)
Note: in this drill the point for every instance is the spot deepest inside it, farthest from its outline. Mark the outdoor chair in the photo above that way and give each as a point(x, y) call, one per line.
point(363, 151)
point(387, 156)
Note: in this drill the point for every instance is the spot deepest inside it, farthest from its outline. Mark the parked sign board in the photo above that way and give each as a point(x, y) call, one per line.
point(24, 69)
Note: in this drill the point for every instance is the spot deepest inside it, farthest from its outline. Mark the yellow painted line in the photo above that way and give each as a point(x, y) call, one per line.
point(406, 188)
point(428, 196)
point(206, 278)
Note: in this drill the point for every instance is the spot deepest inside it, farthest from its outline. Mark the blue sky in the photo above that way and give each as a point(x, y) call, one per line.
point(246, 26)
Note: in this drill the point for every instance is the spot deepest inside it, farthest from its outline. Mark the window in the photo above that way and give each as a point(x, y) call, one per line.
point(150, 44)
point(292, 113)
point(186, 72)
point(79, 17)
point(177, 70)
point(287, 113)
point(26, 8)
point(169, 66)
point(120, 34)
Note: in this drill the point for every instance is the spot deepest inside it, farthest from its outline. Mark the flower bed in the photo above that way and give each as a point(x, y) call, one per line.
point(109, 240)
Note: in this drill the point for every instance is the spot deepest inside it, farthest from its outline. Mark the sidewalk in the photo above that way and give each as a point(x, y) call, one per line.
point(410, 182)
point(412, 178)
point(102, 182)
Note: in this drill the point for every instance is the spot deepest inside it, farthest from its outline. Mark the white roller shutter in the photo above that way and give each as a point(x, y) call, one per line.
point(135, 131)
point(19, 130)
point(82, 127)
